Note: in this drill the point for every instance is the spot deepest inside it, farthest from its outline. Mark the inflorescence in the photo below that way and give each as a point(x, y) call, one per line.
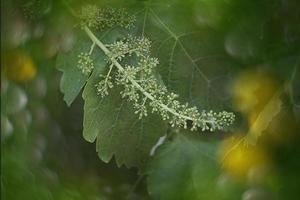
point(102, 18)
point(85, 63)
point(142, 89)
point(138, 80)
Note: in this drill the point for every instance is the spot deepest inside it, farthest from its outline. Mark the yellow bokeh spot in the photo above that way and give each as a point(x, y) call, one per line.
point(259, 97)
point(252, 90)
point(19, 67)
point(238, 159)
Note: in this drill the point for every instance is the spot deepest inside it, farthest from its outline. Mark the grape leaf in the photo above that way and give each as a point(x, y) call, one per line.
point(193, 62)
point(192, 65)
point(72, 79)
point(187, 169)
point(119, 132)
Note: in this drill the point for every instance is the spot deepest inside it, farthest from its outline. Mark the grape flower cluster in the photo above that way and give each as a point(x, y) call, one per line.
point(141, 87)
point(101, 18)
point(85, 63)
point(132, 68)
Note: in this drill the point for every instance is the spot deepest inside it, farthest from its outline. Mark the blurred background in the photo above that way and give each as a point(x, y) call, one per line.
point(43, 153)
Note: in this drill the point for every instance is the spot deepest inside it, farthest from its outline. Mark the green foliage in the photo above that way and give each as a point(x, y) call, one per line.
point(142, 87)
point(133, 74)
point(17, 174)
point(85, 63)
point(76, 66)
point(150, 71)
point(72, 79)
point(295, 94)
point(94, 17)
point(118, 130)
point(186, 168)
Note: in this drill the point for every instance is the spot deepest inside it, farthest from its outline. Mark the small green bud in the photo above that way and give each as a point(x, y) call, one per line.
point(85, 63)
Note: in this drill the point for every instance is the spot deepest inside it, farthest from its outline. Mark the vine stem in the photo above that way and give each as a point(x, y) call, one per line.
point(92, 48)
point(134, 82)
point(108, 74)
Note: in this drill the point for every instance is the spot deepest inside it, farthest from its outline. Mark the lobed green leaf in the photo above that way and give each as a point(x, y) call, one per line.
point(119, 132)
point(73, 79)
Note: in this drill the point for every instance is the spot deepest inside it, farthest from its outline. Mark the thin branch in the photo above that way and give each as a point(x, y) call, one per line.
point(92, 48)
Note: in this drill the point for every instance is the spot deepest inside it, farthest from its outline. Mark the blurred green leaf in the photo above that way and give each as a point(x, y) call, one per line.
point(14, 99)
point(187, 168)
point(294, 89)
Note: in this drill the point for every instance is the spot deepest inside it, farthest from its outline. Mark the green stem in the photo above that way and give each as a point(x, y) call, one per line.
point(108, 74)
point(92, 48)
